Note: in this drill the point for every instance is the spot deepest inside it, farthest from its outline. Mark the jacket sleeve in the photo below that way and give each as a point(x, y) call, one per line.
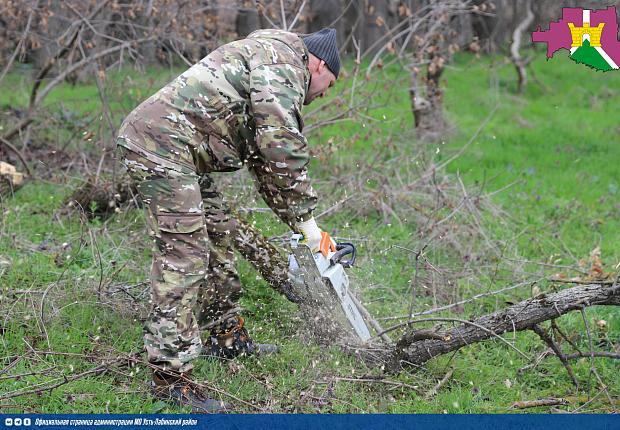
point(280, 159)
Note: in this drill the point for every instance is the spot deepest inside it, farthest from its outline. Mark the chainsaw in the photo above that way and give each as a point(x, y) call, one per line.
point(322, 281)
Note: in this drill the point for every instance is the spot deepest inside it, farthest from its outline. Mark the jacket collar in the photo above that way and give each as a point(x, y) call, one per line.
point(292, 40)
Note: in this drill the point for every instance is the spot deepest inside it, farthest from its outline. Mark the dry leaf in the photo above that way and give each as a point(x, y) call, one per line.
point(596, 265)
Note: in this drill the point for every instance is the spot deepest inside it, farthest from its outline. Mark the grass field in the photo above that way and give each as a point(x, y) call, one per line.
point(549, 153)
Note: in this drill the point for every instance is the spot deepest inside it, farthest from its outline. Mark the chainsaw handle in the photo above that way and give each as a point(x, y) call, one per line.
point(343, 249)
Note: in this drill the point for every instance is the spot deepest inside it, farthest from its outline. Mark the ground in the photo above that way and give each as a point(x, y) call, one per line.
point(545, 157)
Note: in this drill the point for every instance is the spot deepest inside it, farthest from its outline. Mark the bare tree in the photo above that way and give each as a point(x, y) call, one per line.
point(519, 62)
point(424, 39)
point(74, 40)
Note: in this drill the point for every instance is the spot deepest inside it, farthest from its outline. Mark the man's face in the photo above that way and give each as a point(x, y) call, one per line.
point(321, 78)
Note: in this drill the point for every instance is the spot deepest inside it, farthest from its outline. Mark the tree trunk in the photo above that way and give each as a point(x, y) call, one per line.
point(418, 346)
point(148, 51)
point(378, 17)
point(462, 25)
point(49, 32)
point(493, 27)
point(101, 197)
point(323, 13)
point(428, 111)
point(519, 62)
point(247, 22)
point(227, 14)
point(249, 19)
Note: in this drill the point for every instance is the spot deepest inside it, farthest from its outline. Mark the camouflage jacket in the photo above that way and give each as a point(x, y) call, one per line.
point(241, 104)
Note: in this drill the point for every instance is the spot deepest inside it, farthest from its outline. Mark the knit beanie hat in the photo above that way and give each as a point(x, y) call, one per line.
point(322, 44)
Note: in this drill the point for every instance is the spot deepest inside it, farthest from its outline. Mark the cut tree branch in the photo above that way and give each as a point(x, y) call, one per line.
point(521, 316)
point(558, 351)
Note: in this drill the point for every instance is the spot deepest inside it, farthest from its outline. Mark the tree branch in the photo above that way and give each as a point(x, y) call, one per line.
point(521, 316)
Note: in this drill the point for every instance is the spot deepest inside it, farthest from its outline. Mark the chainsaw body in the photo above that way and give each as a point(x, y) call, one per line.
point(322, 281)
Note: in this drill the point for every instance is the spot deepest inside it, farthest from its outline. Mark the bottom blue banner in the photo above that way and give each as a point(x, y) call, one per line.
point(331, 422)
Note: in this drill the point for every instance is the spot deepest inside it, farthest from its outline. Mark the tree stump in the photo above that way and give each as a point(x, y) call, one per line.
point(10, 179)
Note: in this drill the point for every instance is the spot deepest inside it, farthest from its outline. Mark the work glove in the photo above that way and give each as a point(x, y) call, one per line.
point(314, 238)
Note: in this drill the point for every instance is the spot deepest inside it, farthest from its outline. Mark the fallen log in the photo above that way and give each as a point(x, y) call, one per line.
point(521, 316)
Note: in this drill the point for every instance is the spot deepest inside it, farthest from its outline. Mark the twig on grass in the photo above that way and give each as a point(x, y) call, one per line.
point(524, 404)
point(113, 363)
point(21, 375)
point(535, 363)
point(62, 274)
point(593, 369)
point(433, 391)
point(43, 387)
point(370, 379)
point(600, 354)
point(581, 282)
point(592, 399)
point(93, 242)
point(557, 329)
point(558, 352)
point(12, 364)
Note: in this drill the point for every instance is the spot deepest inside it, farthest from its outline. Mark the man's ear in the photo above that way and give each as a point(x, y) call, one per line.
point(322, 65)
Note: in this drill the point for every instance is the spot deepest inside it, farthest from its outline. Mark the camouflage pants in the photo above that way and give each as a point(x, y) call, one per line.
point(194, 284)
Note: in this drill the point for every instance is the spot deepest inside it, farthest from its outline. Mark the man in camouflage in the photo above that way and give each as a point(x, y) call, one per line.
point(240, 105)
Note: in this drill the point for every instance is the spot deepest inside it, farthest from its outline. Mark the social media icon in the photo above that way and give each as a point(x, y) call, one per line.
point(8, 422)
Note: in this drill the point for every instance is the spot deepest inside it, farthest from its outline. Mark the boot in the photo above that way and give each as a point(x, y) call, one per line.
point(234, 340)
point(177, 389)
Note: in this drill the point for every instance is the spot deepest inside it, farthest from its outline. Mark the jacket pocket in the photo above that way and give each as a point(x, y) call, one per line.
point(182, 242)
point(180, 222)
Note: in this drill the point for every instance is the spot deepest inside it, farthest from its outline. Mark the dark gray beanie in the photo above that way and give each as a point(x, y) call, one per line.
point(322, 44)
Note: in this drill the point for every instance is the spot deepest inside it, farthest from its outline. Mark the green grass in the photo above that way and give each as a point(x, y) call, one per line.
point(557, 141)
point(123, 87)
